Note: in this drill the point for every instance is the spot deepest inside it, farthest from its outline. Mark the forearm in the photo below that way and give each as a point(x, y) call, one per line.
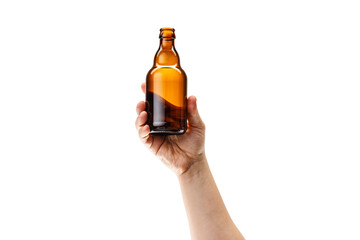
point(206, 211)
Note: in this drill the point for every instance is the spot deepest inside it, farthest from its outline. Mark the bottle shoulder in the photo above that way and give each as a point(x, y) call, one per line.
point(166, 70)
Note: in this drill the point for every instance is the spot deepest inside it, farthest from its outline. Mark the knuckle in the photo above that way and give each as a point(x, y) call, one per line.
point(140, 132)
point(137, 122)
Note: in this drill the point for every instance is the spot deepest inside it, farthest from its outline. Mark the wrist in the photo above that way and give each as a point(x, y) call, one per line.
point(197, 169)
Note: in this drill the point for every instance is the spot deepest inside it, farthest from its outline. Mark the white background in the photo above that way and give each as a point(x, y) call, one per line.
point(277, 84)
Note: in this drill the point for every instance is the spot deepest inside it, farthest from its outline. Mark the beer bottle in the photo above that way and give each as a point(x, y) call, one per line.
point(166, 86)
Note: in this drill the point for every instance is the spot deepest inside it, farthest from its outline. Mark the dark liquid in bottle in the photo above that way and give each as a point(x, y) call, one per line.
point(164, 117)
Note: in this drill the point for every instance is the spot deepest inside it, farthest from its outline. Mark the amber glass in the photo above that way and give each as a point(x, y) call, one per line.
point(166, 85)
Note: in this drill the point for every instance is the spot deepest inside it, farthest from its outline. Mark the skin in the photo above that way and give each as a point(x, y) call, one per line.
point(185, 155)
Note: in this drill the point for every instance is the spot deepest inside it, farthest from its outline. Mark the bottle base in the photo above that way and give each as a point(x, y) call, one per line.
point(167, 132)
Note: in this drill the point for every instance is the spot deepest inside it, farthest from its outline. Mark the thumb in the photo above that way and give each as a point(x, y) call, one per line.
point(193, 114)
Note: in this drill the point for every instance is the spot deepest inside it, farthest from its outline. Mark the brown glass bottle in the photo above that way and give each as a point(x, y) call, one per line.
point(166, 87)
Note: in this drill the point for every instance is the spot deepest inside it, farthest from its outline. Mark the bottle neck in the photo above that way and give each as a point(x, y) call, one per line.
point(167, 43)
point(167, 55)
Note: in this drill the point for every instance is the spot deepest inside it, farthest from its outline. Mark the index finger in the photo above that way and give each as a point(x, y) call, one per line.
point(143, 87)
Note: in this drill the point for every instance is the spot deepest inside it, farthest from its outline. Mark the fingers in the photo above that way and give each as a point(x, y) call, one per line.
point(140, 123)
point(140, 107)
point(143, 128)
point(143, 87)
point(141, 120)
point(193, 114)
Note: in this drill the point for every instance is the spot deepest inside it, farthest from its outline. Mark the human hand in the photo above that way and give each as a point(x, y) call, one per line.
point(178, 152)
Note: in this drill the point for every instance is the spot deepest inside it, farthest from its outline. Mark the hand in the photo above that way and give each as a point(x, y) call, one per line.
point(178, 152)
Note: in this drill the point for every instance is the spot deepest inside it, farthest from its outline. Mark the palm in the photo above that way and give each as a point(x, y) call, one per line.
point(178, 152)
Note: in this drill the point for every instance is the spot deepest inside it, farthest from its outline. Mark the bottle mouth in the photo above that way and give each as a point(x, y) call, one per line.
point(168, 33)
